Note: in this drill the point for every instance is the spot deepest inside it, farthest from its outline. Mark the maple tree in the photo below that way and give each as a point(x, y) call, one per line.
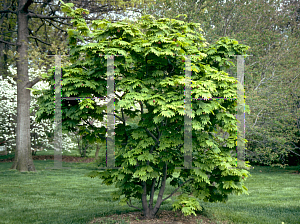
point(150, 75)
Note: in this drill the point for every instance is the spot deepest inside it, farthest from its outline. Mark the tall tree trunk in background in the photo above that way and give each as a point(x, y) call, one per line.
point(84, 147)
point(3, 60)
point(97, 151)
point(23, 158)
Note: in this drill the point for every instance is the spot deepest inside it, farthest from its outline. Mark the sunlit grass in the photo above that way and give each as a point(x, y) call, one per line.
point(67, 196)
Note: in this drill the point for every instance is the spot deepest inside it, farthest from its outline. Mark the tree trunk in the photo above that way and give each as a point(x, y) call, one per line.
point(97, 151)
point(80, 147)
point(84, 150)
point(23, 159)
point(3, 61)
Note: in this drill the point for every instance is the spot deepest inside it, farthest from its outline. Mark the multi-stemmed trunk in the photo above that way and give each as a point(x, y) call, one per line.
point(148, 209)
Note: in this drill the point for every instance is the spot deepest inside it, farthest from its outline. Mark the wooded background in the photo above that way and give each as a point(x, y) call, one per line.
point(270, 28)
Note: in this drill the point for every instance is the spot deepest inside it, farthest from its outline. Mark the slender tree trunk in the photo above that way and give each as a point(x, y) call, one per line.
point(3, 61)
point(97, 151)
point(23, 158)
point(84, 149)
point(80, 147)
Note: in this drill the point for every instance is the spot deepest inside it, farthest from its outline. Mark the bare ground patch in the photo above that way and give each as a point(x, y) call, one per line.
point(166, 217)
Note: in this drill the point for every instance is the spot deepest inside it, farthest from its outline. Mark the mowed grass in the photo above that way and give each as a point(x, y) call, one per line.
point(67, 196)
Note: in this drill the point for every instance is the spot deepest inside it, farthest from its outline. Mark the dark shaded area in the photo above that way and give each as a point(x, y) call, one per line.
point(73, 159)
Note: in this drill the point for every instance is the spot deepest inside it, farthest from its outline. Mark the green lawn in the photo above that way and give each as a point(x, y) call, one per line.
point(67, 196)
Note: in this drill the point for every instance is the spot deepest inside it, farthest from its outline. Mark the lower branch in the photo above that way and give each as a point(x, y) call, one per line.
point(130, 205)
point(162, 189)
point(16, 44)
point(39, 40)
point(115, 116)
point(156, 140)
point(152, 194)
point(33, 82)
point(8, 11)
point(177, 189)
point(295, 148)
point(158, 183)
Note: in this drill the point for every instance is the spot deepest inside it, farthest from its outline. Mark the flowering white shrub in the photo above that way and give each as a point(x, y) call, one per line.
point(8, 115)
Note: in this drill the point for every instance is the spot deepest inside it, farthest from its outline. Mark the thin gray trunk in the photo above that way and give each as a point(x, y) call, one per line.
point(97, 151)
point(23, 158)
point(3, 61)
point(84, 149)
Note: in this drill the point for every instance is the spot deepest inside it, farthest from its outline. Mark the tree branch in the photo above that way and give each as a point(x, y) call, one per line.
point(93, 127)
point(130, 205)
point(33, 82)
point(44, 3)
point(36, 42)
point(142, 112)
point(152, 194)
point(8, 32)
point(34, 15)
point(116, 116)
point(159, 134)
point(39, 40)
point(158, 183)
point(261, 82)
point(68, 24)
point(257, 118)
point(162, 189)
point(177, 189)
point(57, 27)
point(26, 6)
point(123, 116)
point(157, 141)
point(296, 147)
point(8, 11)
point(120, 97)
point(124, 122)
point(16, 44)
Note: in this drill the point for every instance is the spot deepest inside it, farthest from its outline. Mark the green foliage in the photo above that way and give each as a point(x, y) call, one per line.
point(188, 205)
point(151, 72)
point(272, 128)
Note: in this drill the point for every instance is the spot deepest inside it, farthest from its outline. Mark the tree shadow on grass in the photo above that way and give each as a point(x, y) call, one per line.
point(164, 216)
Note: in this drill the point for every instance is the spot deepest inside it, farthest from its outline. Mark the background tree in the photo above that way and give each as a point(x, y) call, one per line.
point(41, 133)
point(151, 75)
point(47, 14)
point(8, 33)
point(271, 75)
